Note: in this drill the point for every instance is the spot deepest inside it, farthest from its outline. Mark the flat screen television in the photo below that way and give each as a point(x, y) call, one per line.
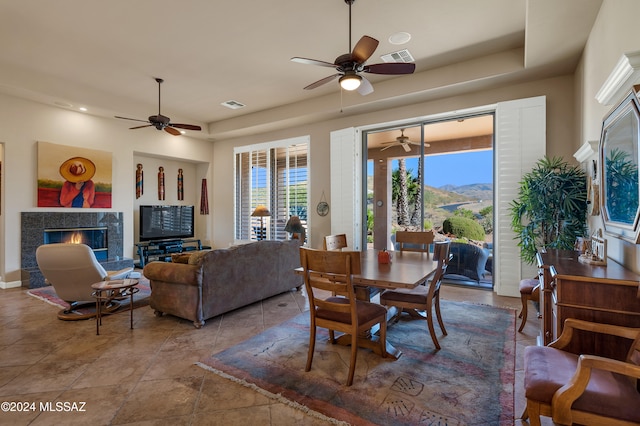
point(166, 222)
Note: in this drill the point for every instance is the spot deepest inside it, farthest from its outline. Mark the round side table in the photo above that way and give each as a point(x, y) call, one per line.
point(113, 290)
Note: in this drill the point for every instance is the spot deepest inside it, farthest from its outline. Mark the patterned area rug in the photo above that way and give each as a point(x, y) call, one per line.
point(48, 294)
point(468, 382)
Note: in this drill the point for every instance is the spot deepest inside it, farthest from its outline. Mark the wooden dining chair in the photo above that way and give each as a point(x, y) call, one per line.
point(423, 297)
point(335, 242)
point(583, 389)
point(414, 241)
point(331, 271)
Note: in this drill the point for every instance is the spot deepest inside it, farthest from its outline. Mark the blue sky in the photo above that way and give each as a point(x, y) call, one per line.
point(455, 169)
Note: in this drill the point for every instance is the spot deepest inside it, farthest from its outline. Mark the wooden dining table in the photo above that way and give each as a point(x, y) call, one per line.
point(406, 270)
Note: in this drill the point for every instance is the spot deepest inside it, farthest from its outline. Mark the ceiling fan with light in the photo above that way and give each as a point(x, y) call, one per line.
point(350, 65)
point(162, 122)
point(402, 141)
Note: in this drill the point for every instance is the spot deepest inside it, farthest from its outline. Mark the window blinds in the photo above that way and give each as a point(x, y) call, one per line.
point(274, 175)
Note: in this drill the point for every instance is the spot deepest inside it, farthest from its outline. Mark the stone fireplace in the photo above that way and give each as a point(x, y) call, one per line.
point(94, 237)
point(102, 231)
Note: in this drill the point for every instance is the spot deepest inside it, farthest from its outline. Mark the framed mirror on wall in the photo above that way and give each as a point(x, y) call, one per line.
point(619, 158)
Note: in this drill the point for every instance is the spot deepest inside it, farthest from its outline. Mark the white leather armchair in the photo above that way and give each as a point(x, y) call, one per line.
point(71, 269)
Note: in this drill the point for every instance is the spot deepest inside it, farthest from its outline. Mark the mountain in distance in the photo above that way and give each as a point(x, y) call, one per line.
point(473, 197)
point(452, 194)
point(475, 191)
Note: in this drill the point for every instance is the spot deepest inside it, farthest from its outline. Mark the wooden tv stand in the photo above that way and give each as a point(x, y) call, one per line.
point(163, 249)
point(571, 289)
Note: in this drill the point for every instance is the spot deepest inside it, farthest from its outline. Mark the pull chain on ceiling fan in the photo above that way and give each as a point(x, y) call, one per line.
point(162, 122)
point(350, 65)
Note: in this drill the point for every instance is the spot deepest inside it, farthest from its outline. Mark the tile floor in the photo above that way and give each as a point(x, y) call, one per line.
point(147, 376)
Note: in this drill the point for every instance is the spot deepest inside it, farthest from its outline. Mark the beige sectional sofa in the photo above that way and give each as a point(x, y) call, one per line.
point(213, 282)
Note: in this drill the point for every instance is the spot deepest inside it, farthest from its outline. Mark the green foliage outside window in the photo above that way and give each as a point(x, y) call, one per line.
point(462, 212)
point(486, 219)
point(463, 227)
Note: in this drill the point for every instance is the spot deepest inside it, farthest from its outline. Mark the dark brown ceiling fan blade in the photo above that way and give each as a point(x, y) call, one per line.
point(321, 82)
point(171, 130)
point(185, 126)
point(160, 121)
point(312, 62)
point(365, 87)
point(391, 68)
point(132, 119)
point(351, 64)
point(364, 49)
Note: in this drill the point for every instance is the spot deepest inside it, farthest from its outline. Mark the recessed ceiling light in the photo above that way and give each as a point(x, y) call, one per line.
point(399, 38)
point(183, 132)
point(83, 109)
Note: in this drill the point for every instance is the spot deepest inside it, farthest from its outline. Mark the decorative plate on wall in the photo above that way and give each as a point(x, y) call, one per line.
point(322, 208)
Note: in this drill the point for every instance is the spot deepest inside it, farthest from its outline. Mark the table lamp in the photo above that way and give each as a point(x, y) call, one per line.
point(261, 211)
point(295, 228)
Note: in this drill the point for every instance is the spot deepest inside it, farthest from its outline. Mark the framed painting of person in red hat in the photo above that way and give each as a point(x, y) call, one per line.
point(73, 177)
point(78, 189)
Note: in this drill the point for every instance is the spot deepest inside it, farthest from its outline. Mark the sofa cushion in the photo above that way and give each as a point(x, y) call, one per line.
point(196, 257)
point(180, 257)
point(190, 257)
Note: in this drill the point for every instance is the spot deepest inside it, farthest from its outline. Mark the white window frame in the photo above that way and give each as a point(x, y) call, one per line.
point(520, 141)
point(276, 221)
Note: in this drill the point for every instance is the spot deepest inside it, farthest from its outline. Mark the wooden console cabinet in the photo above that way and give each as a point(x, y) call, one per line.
point(606, 294)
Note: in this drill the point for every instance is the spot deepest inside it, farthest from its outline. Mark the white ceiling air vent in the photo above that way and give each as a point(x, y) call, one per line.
point(399, 56)
point(233, 104)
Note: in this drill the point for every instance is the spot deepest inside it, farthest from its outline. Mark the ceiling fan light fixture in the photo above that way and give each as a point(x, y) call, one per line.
point(350, 81)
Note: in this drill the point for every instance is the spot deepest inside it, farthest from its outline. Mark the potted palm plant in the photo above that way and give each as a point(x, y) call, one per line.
point(551, 208)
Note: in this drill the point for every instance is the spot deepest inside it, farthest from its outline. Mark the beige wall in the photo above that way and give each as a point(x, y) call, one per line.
point(65, 127)
point(614, 33)
point(24, 123)
point(560, 142)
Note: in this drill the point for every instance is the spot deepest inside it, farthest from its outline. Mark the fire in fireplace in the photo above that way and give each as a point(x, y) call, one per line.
point(95, 237)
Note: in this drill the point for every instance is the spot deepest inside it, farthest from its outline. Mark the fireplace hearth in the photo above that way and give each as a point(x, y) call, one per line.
point(102, 231)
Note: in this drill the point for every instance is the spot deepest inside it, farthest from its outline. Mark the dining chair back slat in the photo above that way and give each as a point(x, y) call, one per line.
point(335, 242)
point(327, 273)
point(414, 241)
